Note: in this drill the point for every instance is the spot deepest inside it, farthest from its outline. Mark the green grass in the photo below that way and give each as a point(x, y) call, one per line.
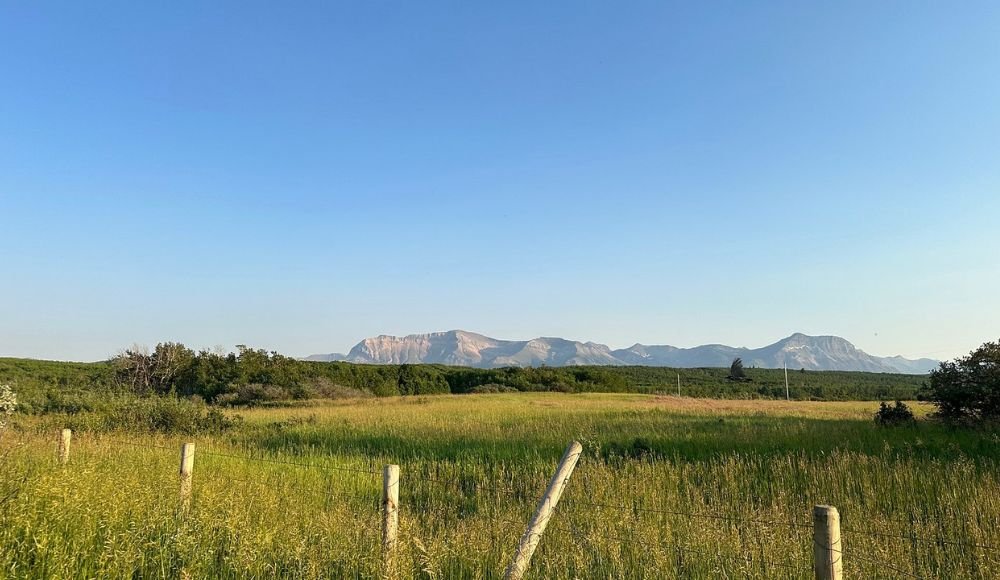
point(473, 468)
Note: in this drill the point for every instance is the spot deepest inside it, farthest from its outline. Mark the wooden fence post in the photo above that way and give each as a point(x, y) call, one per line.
point(187, 467)
point(390, 516)
point(529, 541)
point(64, 440)
point(828, 556)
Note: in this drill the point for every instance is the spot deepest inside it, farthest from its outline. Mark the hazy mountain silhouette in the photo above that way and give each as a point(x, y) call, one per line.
point(458, 347)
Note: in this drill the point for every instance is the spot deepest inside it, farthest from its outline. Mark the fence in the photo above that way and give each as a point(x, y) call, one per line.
point(828, 552)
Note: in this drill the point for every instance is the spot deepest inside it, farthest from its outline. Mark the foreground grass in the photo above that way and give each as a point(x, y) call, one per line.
point(667, 488)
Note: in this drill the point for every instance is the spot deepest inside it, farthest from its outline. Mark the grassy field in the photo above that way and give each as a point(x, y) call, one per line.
point(667, 487)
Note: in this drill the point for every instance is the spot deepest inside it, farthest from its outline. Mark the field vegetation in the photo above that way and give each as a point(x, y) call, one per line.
point(255, 377)
point(667, 487)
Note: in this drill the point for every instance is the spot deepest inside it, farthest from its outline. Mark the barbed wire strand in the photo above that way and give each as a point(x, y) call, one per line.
point(459, 483)
point(793, 524)
point(878, 562)
point(141, 445)
point(690, 514)
point(944, 514)
point(547, 521)
point(508, 491)
point(330, 494)
point(746, 558)
point(284, 462)
point(202, 453)
point(919, 539)
point(451, 482)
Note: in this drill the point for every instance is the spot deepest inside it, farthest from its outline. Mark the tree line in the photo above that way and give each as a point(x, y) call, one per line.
point(967, 388)
point(251, 376)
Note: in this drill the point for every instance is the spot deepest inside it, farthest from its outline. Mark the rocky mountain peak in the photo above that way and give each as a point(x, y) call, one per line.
point(463, 348)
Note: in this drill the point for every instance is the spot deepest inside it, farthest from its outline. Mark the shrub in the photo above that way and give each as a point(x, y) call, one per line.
point(252, 394)
point(255, 392)
point(228, 399)
point(325, 388)
point(968, 389)
point(894, 415)
point(70, 402)
point(736, 372)
point(641, 447)
point(638, 448)
point(8, 404)
point(491, 388)
point(562, 387)
point(421, 380)
point(166, 414)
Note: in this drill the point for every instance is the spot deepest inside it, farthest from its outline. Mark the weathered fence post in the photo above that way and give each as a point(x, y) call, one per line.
point(529, 541)
point(828, 556)
point(187, 467)
point(390, 516)
point(64, 440)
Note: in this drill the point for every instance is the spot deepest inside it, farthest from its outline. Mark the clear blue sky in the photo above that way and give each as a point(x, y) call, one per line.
point(298, 176)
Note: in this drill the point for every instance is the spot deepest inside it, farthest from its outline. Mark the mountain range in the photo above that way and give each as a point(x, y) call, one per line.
point(461, 348)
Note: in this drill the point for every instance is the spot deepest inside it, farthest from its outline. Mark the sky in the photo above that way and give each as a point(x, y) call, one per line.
point(299, 176)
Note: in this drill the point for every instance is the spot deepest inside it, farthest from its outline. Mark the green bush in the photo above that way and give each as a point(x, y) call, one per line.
point(491, 388)
point(156, 414)
point(968, 389)
point(421, 380)
point(894, 415)
point(324, 388)
point(637, 448)
point(69, 402)
point(252, 394)
point(8, 404)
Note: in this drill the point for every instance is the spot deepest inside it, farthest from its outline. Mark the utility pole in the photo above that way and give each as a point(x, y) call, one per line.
point(786, 382)
point(678, 384)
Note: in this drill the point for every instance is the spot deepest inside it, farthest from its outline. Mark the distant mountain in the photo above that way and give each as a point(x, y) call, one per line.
point(461, 348)
point(798, 351)
point(919, 366)
point(335, 356)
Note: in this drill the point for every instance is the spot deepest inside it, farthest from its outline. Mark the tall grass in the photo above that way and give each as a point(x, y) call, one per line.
point(667, 488)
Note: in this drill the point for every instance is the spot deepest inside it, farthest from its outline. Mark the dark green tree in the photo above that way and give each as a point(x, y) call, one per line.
point(894, 415)
point(160, 372)
point(172, 367)
point(421, 380)
point(968, 388)
point(212, 375)
point(736, 372)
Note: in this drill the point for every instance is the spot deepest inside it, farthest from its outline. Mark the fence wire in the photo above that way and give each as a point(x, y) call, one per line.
point(571, 528)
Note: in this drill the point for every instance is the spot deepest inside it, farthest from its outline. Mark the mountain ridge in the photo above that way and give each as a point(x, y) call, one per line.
point(463, 348)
